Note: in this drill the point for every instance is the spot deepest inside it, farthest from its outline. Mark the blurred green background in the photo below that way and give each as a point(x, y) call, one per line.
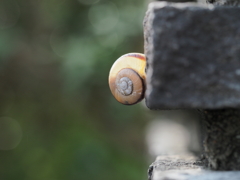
point(58, 119)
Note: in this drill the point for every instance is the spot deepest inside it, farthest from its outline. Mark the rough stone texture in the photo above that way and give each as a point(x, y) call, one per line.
point(186, 168)
point(222, 141)
point(167, 167)
point(225, 2)
point(178, 0)
point(193, 56)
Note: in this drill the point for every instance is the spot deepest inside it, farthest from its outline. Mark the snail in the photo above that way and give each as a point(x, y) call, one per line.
point(127, 78)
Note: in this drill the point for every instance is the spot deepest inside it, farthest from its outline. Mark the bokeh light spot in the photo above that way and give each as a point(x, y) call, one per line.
point(161, 140)
point(104, 17)
point(58, 41)
point(9, 13)
point(10, 133)
point(110, 41)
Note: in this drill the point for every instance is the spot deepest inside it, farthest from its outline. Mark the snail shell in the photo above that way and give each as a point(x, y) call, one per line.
point(127, 78)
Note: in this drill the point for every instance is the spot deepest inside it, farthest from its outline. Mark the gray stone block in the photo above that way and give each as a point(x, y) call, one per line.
point(193, 56)
point(186, 168)
point(177, 1)
point(224, 2)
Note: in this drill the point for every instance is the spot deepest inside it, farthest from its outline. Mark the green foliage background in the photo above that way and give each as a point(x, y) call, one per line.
point(56, 107)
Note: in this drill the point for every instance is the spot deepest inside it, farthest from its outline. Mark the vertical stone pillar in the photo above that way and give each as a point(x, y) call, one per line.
point(193, 62)
point(222, 141)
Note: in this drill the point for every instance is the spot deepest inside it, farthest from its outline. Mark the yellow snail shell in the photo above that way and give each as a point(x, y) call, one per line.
point(127, 78)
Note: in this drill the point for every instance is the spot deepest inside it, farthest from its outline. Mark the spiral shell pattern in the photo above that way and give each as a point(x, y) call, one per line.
point(127, 78)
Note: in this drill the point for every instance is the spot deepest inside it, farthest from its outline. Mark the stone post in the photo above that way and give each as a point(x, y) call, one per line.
point(193, 62)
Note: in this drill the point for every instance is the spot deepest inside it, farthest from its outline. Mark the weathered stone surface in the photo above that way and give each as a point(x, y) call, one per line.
point(175, 1)
point(225, 2)
point(186, 168)
point(193, 56)
point(222, 138)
